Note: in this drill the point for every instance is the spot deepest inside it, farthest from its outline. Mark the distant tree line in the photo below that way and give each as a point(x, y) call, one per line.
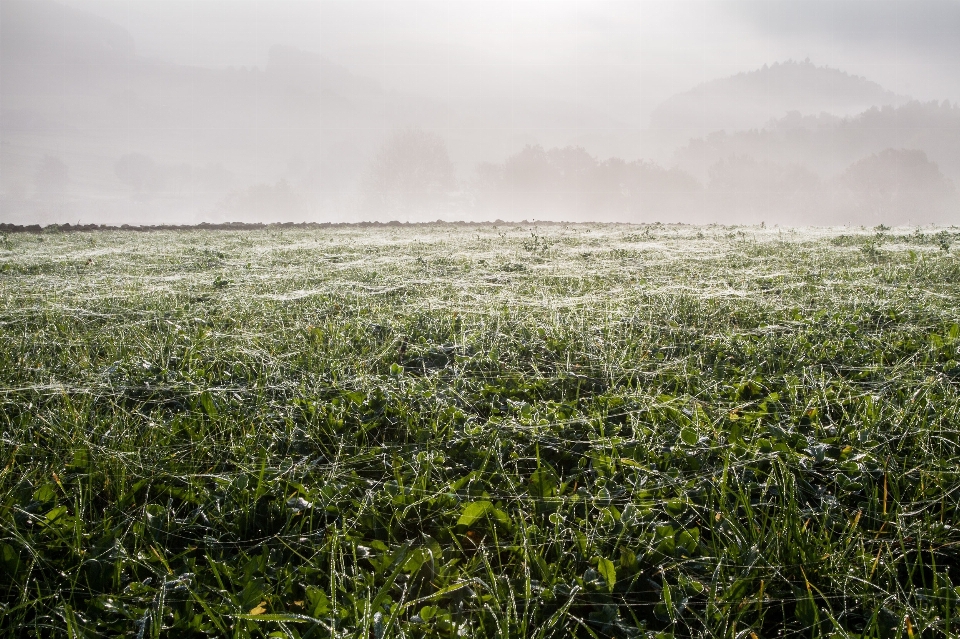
point(570, 180)
point(412, 171)
point(894, 186)
point(828, 144)
point(147, 177)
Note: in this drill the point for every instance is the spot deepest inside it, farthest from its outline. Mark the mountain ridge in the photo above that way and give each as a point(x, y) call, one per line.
point(750, 99)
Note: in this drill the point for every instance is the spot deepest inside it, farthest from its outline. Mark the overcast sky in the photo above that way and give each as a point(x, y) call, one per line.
point(623, 56)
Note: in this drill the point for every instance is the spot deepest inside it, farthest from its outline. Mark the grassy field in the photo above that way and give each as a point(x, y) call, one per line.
point(627, 431)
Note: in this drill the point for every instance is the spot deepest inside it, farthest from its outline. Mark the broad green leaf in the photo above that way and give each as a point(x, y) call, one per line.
point(474, 511)
point(45, 493)
point(608, 571)
point(209, 406)
point(318, 601)
point(806, 611)
point(55, 514)
point(501, 516)
point(688, 539)
point(544, 482)
point(81, 459)
point(10, 559)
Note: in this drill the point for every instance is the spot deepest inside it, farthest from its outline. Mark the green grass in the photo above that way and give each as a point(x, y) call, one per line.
point(480, 431)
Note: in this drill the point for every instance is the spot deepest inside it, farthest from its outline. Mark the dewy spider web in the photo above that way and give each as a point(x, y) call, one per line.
point(510, 430)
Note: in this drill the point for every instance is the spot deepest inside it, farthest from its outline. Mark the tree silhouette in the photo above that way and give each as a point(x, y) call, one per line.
point(412, 169)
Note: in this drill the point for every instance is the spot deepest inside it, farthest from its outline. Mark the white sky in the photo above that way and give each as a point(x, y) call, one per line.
point(622, 57)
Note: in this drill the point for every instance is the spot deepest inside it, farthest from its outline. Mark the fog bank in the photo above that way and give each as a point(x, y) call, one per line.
point(154, 112)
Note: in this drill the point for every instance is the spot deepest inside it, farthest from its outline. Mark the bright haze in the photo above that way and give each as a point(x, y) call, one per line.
point(170, 112)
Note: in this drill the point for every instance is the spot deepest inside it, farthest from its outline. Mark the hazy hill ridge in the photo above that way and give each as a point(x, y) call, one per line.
point(827, 144)
point(749, 100)
point(42, 31)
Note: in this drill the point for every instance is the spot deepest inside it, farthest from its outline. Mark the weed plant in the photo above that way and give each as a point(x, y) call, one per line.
point(439, 431)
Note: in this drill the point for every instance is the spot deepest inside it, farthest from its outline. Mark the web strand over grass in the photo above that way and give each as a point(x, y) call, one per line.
point(501, 430)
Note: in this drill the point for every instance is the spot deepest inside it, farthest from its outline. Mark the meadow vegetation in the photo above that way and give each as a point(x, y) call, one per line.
point(516, 431)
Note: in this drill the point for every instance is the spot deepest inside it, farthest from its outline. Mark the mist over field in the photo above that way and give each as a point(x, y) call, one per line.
point(149, 112)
